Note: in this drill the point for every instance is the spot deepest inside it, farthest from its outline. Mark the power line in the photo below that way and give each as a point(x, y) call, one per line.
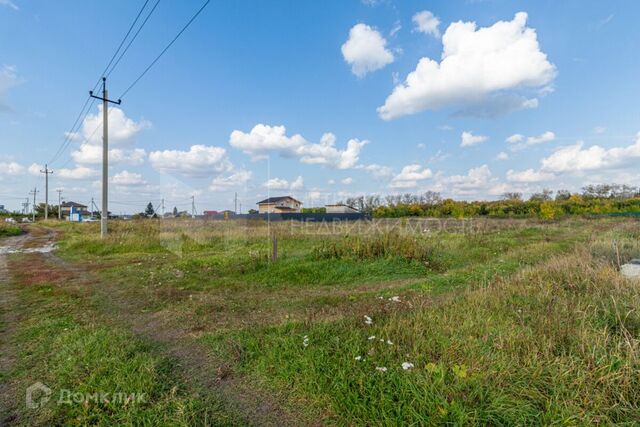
point(165, 49)
point(68, 135)
point(132, 39)
point(123, 40)
point(83, 113)
point(88, 138)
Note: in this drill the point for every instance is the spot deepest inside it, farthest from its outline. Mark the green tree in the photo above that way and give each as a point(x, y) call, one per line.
point(149, 211)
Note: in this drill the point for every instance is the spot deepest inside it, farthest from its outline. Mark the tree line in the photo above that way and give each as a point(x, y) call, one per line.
point(592, 199)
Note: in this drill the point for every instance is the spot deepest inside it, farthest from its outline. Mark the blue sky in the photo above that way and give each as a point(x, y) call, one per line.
point(322, 100)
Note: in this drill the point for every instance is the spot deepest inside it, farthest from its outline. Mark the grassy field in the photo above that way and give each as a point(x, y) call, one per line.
point(499, 322)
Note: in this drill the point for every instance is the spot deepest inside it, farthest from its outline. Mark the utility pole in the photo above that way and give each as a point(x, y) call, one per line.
point(46, 173)
point(105, 154)
point(235, 204)
point(162, 207)
point(59, 204)
point(34, 192)
point(193, 206)
point(25, 207)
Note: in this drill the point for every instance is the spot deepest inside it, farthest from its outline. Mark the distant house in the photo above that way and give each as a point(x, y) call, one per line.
point(340, 208)
point(77, 208)
point(285, 204)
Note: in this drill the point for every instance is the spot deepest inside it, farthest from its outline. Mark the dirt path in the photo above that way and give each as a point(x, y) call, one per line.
point(9, 317)
point(199, 369)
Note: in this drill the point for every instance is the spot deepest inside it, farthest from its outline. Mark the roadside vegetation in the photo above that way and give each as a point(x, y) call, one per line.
point(499, 322)
point(8, 229)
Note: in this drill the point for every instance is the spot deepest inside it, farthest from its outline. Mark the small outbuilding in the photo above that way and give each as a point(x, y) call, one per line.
point(72, 207)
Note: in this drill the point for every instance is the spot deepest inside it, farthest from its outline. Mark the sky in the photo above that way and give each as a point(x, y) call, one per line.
point(322, 100)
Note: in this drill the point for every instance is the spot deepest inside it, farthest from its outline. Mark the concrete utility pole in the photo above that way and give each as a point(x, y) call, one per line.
point(59, 204)
point(34, 192)
point(193, 206)
point(46, 173)
point(25, 207)
point(162, 207)
point(235, 203)
point(105, 154)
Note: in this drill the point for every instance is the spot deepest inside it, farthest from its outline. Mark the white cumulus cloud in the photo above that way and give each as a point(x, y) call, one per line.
point(79, 172)
point(263, 139)
point(283, 184)
point(122, 129)
point(366, 50)
point(478, 65)
point(11, 168)
point(468, 139)
point(128, 178)
point(541, 139)
point(518, 142)
point(528, 176)
point(199, 161)
point(578, 158)
point(427, 23)
point(515, 138)
point(378, 171)
point(228, 182)
point(123, 132)
point(92, 154)
point(410, 176)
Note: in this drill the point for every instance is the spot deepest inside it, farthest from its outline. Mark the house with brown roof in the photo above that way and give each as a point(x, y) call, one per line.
point(284, 204)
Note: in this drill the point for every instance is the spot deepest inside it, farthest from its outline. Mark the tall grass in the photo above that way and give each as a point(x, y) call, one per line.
point(7, 230)
point(557, 343)
point(382, 245)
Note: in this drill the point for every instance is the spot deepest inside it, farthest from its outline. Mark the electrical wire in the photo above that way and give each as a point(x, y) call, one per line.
point(132, 39)
point(131, 86)
point(122, 42)
point(69, 135)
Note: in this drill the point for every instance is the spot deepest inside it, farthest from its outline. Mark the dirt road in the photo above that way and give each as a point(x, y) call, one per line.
point(199, 368)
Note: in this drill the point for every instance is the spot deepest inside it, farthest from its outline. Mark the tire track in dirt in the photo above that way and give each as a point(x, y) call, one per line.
point(197, 366)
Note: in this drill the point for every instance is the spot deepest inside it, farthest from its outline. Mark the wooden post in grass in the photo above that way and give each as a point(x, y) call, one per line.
point(274, 247)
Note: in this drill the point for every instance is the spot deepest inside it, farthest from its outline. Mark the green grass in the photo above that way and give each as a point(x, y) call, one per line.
point(557, 345)
point(7, 230)
point(516, 323)
point(63, 345)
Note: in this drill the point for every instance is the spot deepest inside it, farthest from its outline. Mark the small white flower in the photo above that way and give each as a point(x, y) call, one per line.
point(358, 358)
point(407, 365)
point(381, 369)
point(372, 337)
point(368, 320)
point(305, 341)
point(395, 298)
point(381, 339)
point(381, 297)
point(389, 342)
